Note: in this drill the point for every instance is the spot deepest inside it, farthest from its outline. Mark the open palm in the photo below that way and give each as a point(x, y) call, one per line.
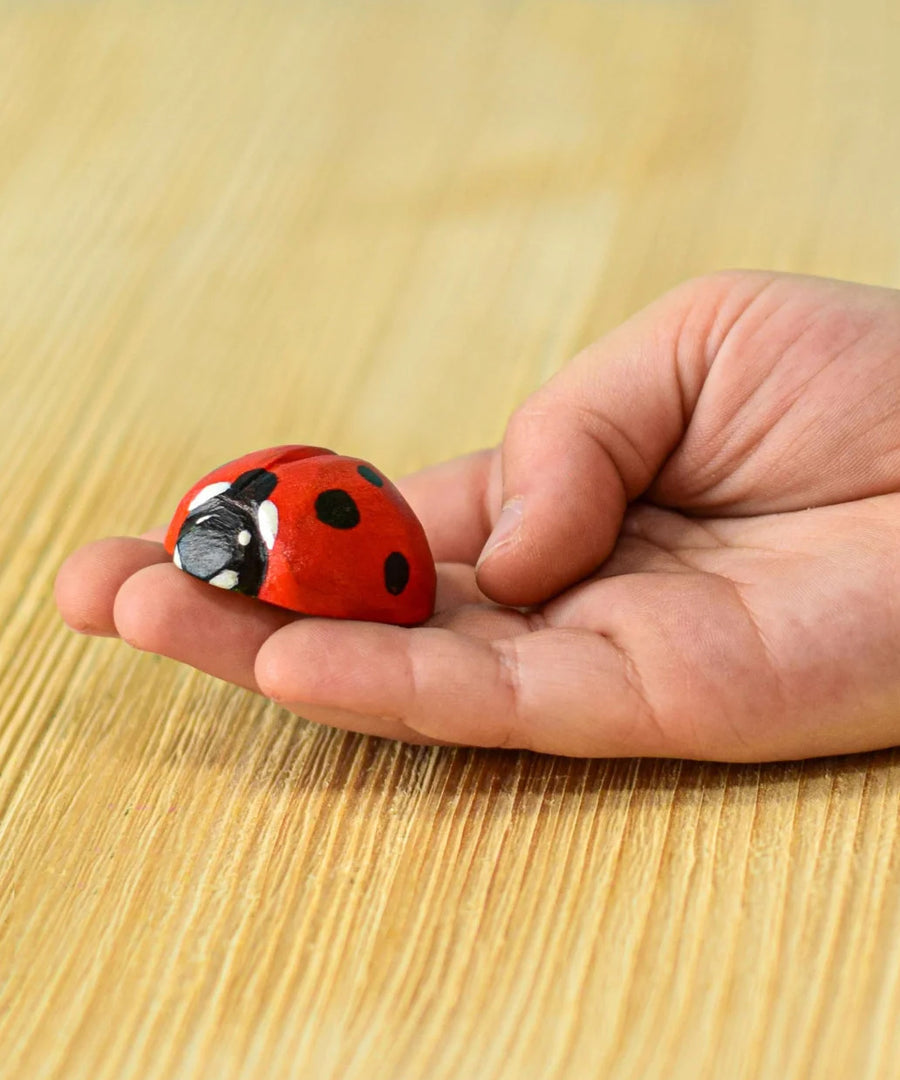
point(699, 559)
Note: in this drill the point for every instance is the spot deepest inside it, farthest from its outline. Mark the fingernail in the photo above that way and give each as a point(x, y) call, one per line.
point(507, 524)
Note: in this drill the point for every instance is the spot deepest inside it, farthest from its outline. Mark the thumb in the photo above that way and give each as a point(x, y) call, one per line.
point(593, 438)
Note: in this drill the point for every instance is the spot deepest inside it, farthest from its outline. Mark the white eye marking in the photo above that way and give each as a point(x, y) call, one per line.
point(176, 558)
point(207, 493)
point(226, 579)
point(244, 537)
point(267, 515)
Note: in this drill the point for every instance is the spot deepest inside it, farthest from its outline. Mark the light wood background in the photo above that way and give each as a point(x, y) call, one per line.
point(377, 226)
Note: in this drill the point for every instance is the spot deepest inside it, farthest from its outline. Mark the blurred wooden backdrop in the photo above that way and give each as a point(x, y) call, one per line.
point(377, 226)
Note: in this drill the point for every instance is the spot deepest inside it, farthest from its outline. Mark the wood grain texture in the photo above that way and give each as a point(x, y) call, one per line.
point(377, 226)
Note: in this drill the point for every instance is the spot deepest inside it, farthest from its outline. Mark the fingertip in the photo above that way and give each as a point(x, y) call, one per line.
point(80, 609)
point(506, 529)
point(507, 570)
point(500, 579)
point(272, 671)
point(294, 663)
point(88, 581)
point(141, 624)
point(332, 662)
point(519, 572)
point(163, 610)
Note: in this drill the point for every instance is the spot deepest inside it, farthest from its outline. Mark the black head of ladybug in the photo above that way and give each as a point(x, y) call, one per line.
point(229, 531)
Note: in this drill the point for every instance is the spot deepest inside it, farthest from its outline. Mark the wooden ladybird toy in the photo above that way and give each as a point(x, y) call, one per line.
point(309, 530)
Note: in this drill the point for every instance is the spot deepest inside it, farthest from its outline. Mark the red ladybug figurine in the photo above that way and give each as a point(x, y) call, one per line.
point(309, 530)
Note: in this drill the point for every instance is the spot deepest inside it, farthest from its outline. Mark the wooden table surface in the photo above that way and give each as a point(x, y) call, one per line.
point(377, 226)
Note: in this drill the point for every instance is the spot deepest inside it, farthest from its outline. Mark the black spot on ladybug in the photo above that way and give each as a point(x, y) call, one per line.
point(335, 508)
point(254, 486)
point(396, 573)
point(369, 474)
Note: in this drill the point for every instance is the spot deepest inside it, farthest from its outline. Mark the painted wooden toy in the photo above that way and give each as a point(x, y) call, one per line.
point(309, 530)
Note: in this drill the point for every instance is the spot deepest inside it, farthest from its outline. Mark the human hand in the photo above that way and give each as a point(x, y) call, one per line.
point(707, 505)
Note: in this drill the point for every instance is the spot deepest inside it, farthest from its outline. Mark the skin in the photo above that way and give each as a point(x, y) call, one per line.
point(705, 564)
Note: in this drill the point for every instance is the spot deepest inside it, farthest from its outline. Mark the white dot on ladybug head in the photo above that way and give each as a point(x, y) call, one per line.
point(176, 558)
point(267, 516)
point(207, 493)
point(226, 579)
point(244, 537)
